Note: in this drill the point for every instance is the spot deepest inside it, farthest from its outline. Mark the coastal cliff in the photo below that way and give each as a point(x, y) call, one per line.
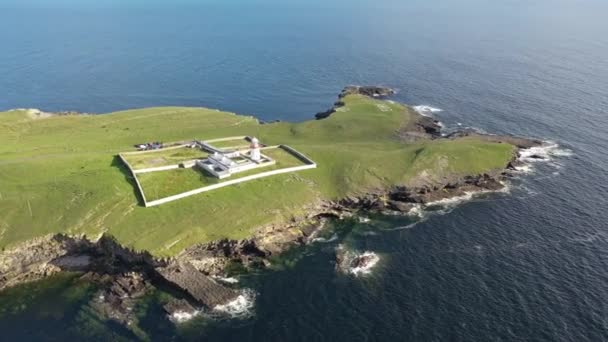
point(125, 273)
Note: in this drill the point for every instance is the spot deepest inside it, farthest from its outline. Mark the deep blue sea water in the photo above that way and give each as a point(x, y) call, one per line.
point(528, 265)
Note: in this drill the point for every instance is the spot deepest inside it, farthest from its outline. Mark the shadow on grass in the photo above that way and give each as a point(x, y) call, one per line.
point(117, 163)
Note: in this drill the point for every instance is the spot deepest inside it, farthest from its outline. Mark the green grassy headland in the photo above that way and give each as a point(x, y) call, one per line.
point(61, 174)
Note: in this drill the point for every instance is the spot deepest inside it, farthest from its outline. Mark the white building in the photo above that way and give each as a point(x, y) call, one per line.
point(223, 165)
point(254, 153)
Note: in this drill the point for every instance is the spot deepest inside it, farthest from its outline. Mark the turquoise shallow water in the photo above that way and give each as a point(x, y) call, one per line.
point(528, 265)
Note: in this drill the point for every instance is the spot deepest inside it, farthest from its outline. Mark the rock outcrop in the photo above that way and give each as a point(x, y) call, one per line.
point(42, 257)
point(371, 91)
point(200, 287)
point(119, 295)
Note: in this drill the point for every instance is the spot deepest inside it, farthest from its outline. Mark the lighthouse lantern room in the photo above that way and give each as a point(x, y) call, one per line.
point(254, 153)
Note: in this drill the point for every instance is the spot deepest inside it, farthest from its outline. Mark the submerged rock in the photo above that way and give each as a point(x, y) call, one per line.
point(354, 262)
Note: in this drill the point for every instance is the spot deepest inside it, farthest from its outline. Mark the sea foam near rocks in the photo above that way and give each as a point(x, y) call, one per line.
point(546, 153)
point(367, 268)
point(355, 263)
point(240, 307)
point(426, 110)
point(363, 219)
point(326, 240)
point(227, 280)
point(183, 316)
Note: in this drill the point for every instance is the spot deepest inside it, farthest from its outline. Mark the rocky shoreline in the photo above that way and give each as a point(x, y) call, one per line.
point(124, 275)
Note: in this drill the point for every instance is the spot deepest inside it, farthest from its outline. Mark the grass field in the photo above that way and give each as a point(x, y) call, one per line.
point(163, 157)
point(157, 185)
point(232, 143)
point(61, 174)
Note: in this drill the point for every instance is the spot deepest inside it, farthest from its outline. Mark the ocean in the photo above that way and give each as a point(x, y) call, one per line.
point(528, 264)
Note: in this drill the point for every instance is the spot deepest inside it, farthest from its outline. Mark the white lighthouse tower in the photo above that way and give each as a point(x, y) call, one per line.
point(255, 150)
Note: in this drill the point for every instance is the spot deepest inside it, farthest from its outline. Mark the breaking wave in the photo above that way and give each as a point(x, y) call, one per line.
point(445, 206)
point(241, 307)
point(363, 219)
point(547, 153)
point(426, 110)
point(325, 240)
point(416, 210)
point(183, 316)
point(467, 196)
point(372, 258)
point(227, 280)
point(356, 263)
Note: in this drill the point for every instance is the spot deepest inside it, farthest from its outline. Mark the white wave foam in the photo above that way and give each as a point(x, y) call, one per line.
point(416, 211)
point(183, 316)
point(228, 280)
point(408, 226)
point(426, 110)
point(324, 240)
point(241, 307)
point(548, 151)
point(447, 205)
point(467, 196)
point(524, 169)
point(453, 201)
point(363, 219)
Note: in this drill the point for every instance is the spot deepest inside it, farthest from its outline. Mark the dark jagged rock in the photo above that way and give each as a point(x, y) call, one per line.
point(348, 261)
point(119, 295)
point(361, 261)
point(34, 259)
point(536, 156)
point(399, 206)
point(327, 113)
point(429, 126)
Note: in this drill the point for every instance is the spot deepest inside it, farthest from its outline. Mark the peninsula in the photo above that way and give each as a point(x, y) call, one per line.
point(70, 202)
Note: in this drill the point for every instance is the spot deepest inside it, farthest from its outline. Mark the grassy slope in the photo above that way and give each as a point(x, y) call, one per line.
point(60, 174)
